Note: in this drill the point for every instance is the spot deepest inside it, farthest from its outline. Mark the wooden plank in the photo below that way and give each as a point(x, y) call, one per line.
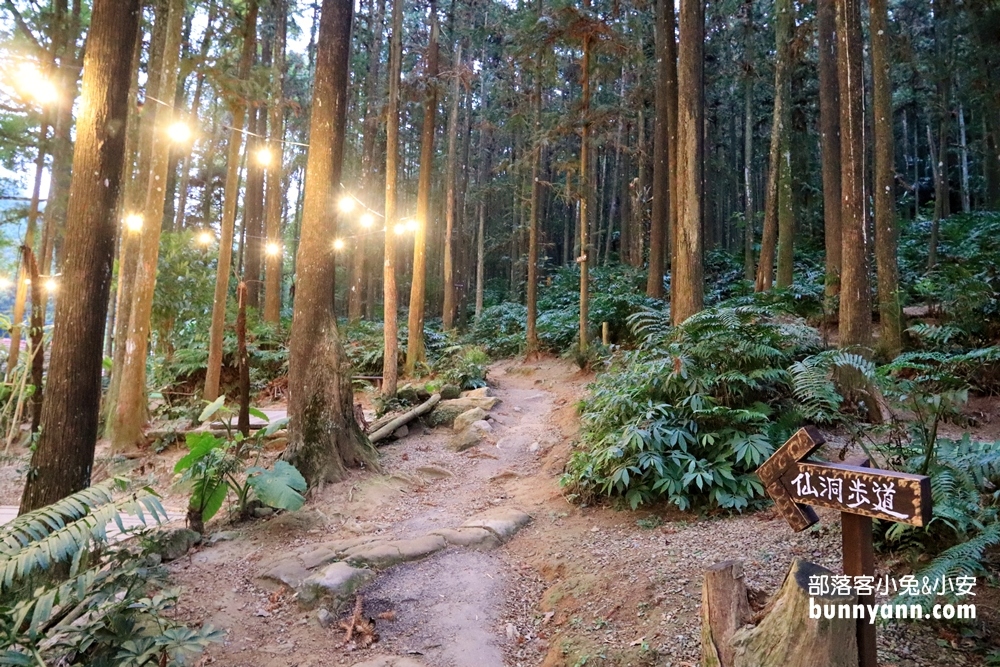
point(802, 443)
point(859, 560)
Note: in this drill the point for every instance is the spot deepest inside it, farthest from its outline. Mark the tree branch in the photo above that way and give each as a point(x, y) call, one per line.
point(23, 27)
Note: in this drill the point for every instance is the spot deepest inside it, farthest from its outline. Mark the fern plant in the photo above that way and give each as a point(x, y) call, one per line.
point(70, 597)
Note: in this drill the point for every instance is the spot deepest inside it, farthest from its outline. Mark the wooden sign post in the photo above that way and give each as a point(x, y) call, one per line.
point(859, 492)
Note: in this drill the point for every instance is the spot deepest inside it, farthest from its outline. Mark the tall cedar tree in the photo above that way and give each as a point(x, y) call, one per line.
point(275, 171)
point(451, 194)
point(324, 438)
point(531, 334)
point(585, 192)
point(855, 297)
point(886, 232)
point(829, 131)
point(415, 352)
point(749, 212)
point(213, 372)
point(390, 363)
point(131, 412)
point(687, 285)
point(64, 458)
point(659, 224)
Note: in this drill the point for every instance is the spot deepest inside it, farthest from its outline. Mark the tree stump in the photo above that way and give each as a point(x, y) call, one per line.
point(786, 636)
point(724, 610)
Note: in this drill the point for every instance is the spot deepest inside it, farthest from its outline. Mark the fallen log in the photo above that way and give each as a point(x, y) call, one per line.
point(405, 418)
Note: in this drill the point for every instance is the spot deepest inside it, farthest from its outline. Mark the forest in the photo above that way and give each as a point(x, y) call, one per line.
point(500, 332)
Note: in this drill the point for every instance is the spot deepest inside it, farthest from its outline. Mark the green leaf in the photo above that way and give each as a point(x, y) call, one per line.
point(213, 503)
point(200, 444)
point(281, 487)
point(212, 408)
point(275, 426)
point(254, 412)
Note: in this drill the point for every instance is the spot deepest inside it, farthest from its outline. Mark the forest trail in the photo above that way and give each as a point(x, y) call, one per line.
point(579, 584)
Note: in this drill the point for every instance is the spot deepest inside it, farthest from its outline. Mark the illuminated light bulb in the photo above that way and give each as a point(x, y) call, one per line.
point(346, 204)
point(411, 225)
point(367, 220)
point(264, 157)
point(31, 81)
point(44, 92)
point(205, 238)
point(400, 228)
point(51, 285)
point(338, 244)
point(133, 222)
point(179, 132)
point(5, 283)
point(272, 249)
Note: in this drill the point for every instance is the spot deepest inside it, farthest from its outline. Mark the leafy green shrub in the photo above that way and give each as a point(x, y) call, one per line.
point(68, 597)
point(464, 367)
point(691, 414)
point(215, 466)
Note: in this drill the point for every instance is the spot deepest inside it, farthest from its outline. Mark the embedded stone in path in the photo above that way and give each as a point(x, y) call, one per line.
point(503, 522)
point(390, 661)
point(337, 582)
point(464, 420)
point(386, 554)
point(479, 539)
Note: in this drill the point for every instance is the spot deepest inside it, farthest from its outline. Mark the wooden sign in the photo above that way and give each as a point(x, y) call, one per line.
point(795, 483)
point(859, 492)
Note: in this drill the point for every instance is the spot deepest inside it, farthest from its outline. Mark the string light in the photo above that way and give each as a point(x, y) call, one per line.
point(51, 285)
point(179, 132)
point(264, 157)
point(34, 85)
point(400, 229)
point(5, 283)
point(272, 249)
point(205, 238)
point(338, 244)
point(411, 225)
point(133, 222)
point(367, 220)
point(346, 204)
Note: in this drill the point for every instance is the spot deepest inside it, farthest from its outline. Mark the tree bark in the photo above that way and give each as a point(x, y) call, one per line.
point(451, 198)
point(583, 261)
point(131, 410)
point(415, 353)
point(532, 345)
point(390, 363)
point(725, 609)
point(659, 222)
point(324, 437)
point(886, 227)
point(63, 460)
point(829, 132)
point(749, 213)
point(213, 372)
point(687, 287)
point(276, 172)
point(779, 155)
point(253, 204)
point(855, 297)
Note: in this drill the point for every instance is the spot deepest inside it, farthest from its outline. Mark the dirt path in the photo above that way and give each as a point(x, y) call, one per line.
point(579, 585)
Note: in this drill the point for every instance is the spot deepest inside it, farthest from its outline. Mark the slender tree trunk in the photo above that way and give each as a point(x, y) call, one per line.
point(855, 297)
point(964, 147)
point(368, 171)
point(638, 235)
point(253, 204)
point(779, 154)
point(829, 132)
point(749, 213)
point(786, 216)
point(213, 372)
point(275, 173)
point(63, 459)
point(687, 286)
point(451, 208)
point(659, 223)
point(536, 163)
point(886, 228)
point(583, 261)
point(390, 364)
point(324, 437)
point(937, 166)
point(415, 353)
point(131, 411)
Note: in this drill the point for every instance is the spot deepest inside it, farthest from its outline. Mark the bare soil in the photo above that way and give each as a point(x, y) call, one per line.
point(581, 585)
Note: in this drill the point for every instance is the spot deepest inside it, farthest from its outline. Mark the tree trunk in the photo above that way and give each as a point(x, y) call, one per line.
point(253, 203)
point(275, 173)
point(725, 609)
point(64, 457)
point(687, 287)
point(829, 132)
point(131, 411)
point(659, 222)
point(749, 213)
point(368, 170)
point(451, 197)
point(583, 261)
point(390, 361)
point(779, 155)
point(324, 437)
point(213, 372)
point(786, 215)
point(532, 346)
point(855, 297)
point(886, 228)
point(415, 353)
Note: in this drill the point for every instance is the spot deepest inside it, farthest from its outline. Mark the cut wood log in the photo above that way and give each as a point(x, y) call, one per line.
point(788, 636)
point(387, 430)
point(724, 610)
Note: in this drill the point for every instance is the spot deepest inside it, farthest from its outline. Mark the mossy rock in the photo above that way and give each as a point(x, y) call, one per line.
point(450, 391)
